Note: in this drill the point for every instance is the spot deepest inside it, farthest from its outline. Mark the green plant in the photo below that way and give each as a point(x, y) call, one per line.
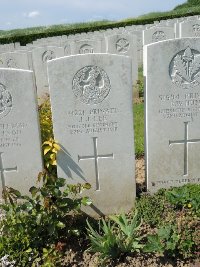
point(138, 112)
point(33, 225)
point(115, 238)
point(185, 197)
point(164, 241)
point(45, 117)
point(152, 208)
point(127, 229)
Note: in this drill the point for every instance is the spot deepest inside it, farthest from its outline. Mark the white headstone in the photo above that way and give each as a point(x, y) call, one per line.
point(20, 147)
point(172, 113)
point(156, 34)
point(40, 56)
point(16, 60)
point(93, 122)
point(190, 28)
point(126, 45)
point(87, 46)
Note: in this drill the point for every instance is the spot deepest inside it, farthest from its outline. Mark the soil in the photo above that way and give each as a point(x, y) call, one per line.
point(77, 256)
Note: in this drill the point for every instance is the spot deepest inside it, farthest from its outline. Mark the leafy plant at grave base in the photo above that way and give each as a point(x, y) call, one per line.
point(179, 237)
point(50, 150)
point(164, 241)
point(118, 236)
point(185, 197)
point(151, 208)
point(45, 117)
point(35, 229)
point(175, 215)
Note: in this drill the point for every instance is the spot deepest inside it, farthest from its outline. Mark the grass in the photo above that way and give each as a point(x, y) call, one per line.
point(138, 111)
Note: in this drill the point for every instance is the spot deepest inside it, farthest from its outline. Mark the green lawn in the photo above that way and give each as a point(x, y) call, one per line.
point(138, 111)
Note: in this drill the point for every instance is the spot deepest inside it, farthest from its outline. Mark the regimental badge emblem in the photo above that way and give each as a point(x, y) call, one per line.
point(196, 29)
point(184, 68)
point(5, 101)
point(122, 45)
point(91, 85)
point(11, 63)
point(86, 49)
point(158, 36)
point(48, 55)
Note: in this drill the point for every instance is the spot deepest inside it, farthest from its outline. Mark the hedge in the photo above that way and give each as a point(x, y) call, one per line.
point(28, 38)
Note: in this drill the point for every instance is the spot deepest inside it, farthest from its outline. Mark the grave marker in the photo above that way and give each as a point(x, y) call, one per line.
point(172, 113)
point(40, 56)
point(124, 44)
point(20, 146)
point(93, 100)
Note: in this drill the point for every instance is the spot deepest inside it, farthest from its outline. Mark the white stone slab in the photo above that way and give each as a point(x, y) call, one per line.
point(20, 154)
point(126, 45)
point(93, 122)
point(40, 56)
point(86, 46)
point(16, 60)
point(156, 34)
point(172, 98)
point(190, 28)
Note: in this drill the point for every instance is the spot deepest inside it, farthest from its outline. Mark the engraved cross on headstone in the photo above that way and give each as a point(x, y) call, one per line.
point(96, 157)
point(2, 170)
point(185, 142)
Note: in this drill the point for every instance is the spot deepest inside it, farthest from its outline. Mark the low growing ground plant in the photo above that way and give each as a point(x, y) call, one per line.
point(33, 226)
point(116, 237)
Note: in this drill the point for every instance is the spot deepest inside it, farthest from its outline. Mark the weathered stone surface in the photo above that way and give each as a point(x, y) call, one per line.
point(92, 116)
point(40, 56)
point(172, 113)
point(190, 28)
point(86, 46)
point(16, 60)
point(20, 153)
point(157, 34)
point(126, 45)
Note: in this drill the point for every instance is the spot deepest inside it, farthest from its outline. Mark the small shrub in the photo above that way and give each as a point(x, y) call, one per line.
point(151, 208)
point(118, 236)
point(34, 225)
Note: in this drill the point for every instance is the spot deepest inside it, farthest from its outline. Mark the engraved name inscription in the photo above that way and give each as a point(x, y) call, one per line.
point(176, 181)
point(10, 134)
point(91, 85)
point(95, 120)
point(186, 105)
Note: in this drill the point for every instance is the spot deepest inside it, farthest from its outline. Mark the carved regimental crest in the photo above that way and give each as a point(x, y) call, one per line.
point(122, 45)
point(5, 101)
point(91, 85)
point(184, 68)
point(48, 55)
point(196, 29)
point(158, 36)
point(11, 63)
point(86, 49)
